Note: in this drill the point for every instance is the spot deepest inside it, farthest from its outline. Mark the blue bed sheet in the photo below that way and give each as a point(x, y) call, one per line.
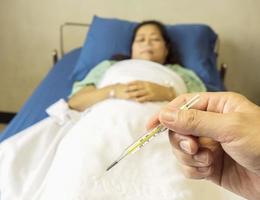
point(57, 84)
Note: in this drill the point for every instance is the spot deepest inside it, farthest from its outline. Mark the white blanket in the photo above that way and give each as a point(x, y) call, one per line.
point(131, 70)
point(64, 159)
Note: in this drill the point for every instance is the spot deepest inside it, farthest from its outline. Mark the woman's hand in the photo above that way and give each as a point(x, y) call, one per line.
point(120, 91)
point(143, 91)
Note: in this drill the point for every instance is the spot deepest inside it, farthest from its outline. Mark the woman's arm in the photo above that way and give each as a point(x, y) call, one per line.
point(90, 95)
point(143, 91)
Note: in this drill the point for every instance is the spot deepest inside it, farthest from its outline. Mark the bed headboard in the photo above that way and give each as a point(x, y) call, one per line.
point(68, 25)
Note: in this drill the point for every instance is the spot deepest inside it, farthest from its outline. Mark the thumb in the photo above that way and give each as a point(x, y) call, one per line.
point(195, 122)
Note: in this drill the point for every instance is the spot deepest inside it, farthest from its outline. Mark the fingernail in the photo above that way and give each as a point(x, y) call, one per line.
point(185, 145)
point(168, 116)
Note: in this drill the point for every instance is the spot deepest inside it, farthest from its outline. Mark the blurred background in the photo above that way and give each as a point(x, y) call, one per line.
point(30, 32)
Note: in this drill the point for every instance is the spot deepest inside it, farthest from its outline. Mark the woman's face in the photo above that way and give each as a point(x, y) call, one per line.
point(149, 45)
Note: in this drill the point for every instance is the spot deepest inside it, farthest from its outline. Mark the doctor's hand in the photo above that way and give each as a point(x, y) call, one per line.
point(143, 91)
point(219, 140)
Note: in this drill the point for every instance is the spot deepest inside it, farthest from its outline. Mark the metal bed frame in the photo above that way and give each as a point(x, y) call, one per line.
point(55, 53)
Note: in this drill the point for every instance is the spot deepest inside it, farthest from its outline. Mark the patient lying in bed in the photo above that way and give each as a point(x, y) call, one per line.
point(150, 42)
point(65, 161)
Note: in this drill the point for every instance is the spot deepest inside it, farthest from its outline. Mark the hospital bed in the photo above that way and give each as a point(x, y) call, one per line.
point(197, 43)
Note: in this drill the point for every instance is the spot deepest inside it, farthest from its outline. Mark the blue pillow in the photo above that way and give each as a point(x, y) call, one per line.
point(195, 44)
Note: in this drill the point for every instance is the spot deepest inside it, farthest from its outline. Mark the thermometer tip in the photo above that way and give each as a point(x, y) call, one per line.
point(112, 165)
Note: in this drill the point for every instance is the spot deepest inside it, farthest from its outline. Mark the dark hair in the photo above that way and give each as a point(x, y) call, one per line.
point(172, 57)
